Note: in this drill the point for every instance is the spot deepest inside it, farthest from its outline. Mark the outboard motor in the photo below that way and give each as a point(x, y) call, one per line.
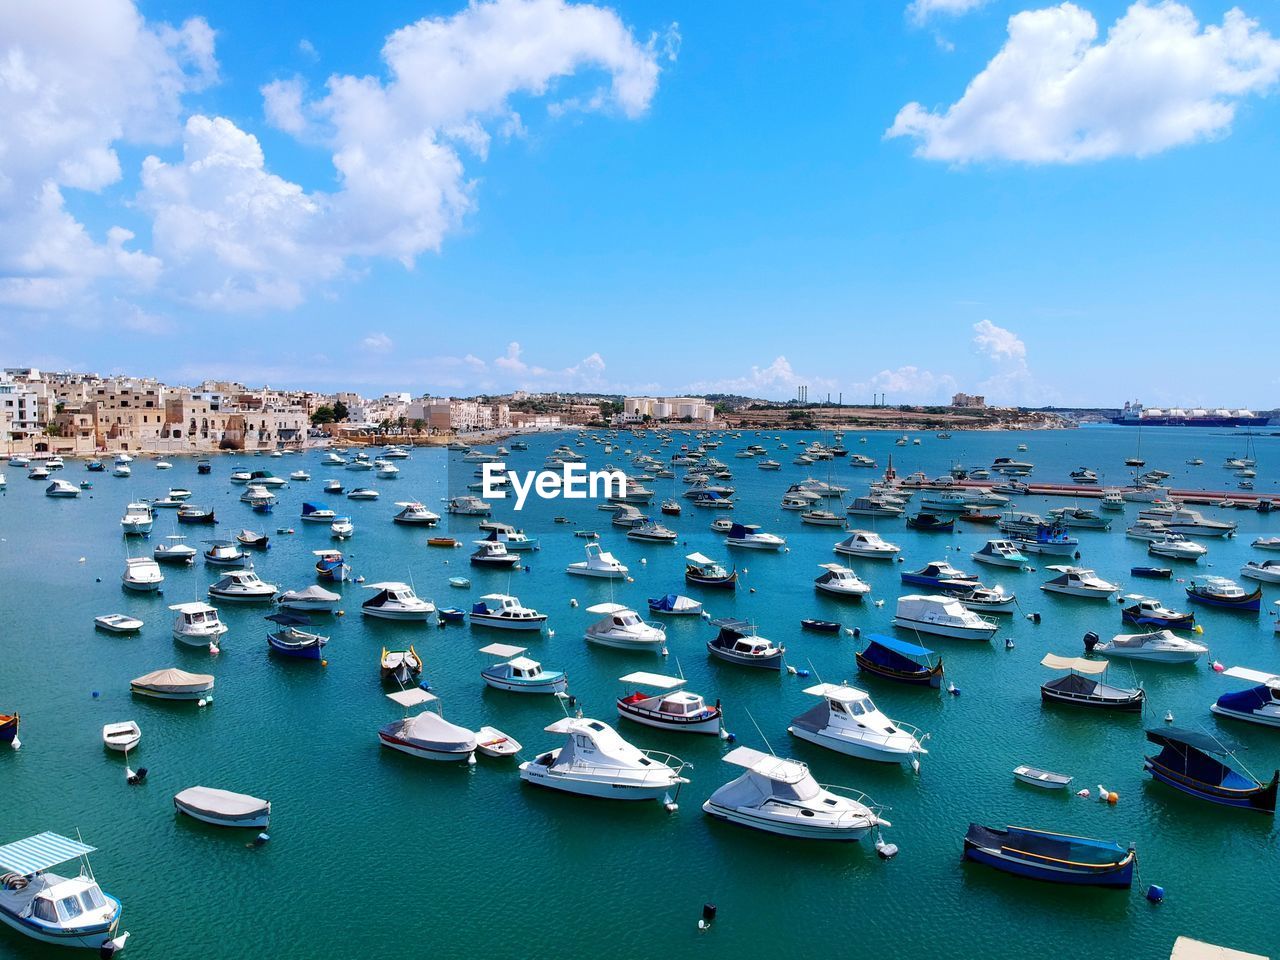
point(1090, 641)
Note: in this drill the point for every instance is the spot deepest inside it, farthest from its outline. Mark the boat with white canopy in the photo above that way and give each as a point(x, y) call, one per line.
point(848, 721)
point(197, 624)
point(142, 575)
point(595, 761)
point(1079, 688)
point(1158, 646)
point(313, 599)
point(943, 617)
point(670, 707)
point(622, 628)
point(520, 674)
point(428, 735)
point(781, 796)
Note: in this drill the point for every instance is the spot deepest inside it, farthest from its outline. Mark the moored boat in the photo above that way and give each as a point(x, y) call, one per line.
point(1054, 857)
point(223, 808)
point(1078, 687)
point(1198, 765)
point(901, 661)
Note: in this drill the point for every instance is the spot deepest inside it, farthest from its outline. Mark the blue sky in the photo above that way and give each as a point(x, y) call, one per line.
point(649, 196)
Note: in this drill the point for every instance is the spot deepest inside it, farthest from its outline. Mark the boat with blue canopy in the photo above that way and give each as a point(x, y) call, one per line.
point(1258, 704)
point(1197, 764)
point(292, 642)
point(675, 605)
point(1054, 857)
point(899, 660)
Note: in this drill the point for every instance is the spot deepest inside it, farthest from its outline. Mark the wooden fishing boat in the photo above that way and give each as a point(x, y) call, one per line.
point(1079, 688)
point(1044, 779)
point(1049, 856)
point(899, 660)
point(820, 626)
point(1196, 763)
point(400, 665)
point(1152, 573)
point(253, 540)
point(931, 523)
point(9, 727)
point(702, 571)
point(1224, 593)
point(442, 542)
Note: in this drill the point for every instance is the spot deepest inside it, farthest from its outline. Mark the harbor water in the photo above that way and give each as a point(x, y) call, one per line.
point(380, 855)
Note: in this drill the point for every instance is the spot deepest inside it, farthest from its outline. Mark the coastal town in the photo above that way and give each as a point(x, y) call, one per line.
point(44, 412)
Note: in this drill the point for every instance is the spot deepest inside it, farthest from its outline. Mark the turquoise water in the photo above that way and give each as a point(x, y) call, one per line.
point(378, 853)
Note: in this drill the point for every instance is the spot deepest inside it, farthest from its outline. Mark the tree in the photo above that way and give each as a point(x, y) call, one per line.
point(323, 414)
point(340, 412)
point(419, 425)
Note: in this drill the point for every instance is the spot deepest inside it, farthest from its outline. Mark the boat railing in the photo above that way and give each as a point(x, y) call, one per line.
point(912, 729)
point(670, 759)
point(849, 793)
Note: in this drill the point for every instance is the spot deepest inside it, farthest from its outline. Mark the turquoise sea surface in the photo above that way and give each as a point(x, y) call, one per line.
point(379, 855)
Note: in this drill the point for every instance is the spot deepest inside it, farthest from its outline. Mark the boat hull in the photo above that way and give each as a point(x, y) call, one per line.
point(854, 748)
point(529, 624)
point(786, 828)
point(1261, 798)
point(541, 776)
point(1119, 877)
point(90, 937)
point(943, 630)
point(421, 752)
point(254, 820)
point(675, 724)
point(558, 685)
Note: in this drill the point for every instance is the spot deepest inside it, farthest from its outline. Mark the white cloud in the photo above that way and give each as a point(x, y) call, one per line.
point(78, 78)
point(1055, 95)
point(377, 343)
point(240, 236)
point(776, 380)
point(998, 343)
point(909, 384)
point(513, 371)
point(1012, 381)
point(232, 234)
point(920, 11)
point(308, 49)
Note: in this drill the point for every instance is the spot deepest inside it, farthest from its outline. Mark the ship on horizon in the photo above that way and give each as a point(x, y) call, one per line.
point(1136, 415)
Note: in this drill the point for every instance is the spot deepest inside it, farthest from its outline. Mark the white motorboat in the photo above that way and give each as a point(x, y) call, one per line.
point(118, 623)
point(1147, 530)
point(313, 599)
point(342, 528)
point(137, 519)
point(1080, 518)
point(504, 612)
point(1177, 547)
point(222, 808)
point(520, 674)
point(396, 601)
point(300, 475)
point(840, 581)
point(749, 536)
point(1266, 543)
point(1159, 646)
point(595, 761)
point(317, 513)
point(385, 470)
point(255, 494)
point(1000, 553)
point(428, 736)
point(874, 506)
point(985, 599)
point(413, 513)
point(599, 563)
point(622, 628)
point(1264, 571)
point(492, 742)
point(848, 721)
point(197, 624)
point(175, 549)
point(142, 574)
point(333, 486)
point(1112, 500)
point(62, 489)
point(1078, 582)
point(781, 796)
point(240, 476)
point(866, 543)
point(469, 506)
point(942, 616)
point(224, 553)
point(670, 707)
point(333, 460)
point(1183, 519)
point(38, 472)
point(172, 684)
point(242, 586)
point(363, 493)
point(53, 909)
point(650, 531)
point(121, 470)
